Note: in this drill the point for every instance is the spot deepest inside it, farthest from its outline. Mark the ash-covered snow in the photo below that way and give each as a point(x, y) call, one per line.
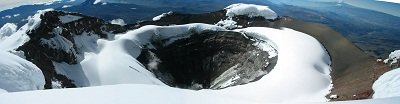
point(250, 10)
point(17, 74)
point(162, 15)
point(118, 22)
point(387, 85)
point(393, 58)
point(68, 18)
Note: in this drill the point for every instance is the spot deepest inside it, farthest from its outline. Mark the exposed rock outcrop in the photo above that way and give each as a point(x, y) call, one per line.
point(208, 60)
point(53, 41)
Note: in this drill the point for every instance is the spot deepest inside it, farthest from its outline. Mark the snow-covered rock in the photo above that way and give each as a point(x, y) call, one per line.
point(387, 85)
point(393, 57)
point(17, 74)
point(7, 30)
point(118, 22)
point(333, 96)
point(250, 10)
point(58, 42)
point(20, 37)
point(162, 15)
point(228, 24)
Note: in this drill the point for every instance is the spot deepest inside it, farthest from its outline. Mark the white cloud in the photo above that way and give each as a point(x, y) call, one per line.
point(392, 1)
point(6, 4)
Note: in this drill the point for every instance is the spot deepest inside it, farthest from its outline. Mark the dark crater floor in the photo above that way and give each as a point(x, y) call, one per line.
point(207, 60)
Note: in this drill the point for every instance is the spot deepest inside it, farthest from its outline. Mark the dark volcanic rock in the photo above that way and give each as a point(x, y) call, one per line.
point(209, 59)
point(51, 28)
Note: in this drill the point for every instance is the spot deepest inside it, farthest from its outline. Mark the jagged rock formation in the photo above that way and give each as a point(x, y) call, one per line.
point(53, 40)
point(208, 60)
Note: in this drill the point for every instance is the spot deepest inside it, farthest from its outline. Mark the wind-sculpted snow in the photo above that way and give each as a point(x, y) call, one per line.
point(17, 74)
point(7, 30)
point(387, 85)
point(250, 10)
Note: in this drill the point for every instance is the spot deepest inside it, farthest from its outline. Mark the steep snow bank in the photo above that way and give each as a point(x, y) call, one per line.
point(250, 10)
point(17, 74)
point(388, 85)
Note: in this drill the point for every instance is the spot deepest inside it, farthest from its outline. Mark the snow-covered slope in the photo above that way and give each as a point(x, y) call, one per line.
point(17, 74)
point(142, 94)
point(388, 85)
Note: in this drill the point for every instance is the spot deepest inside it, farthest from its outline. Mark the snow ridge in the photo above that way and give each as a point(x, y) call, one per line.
point(250, 10)
point(17, 74)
